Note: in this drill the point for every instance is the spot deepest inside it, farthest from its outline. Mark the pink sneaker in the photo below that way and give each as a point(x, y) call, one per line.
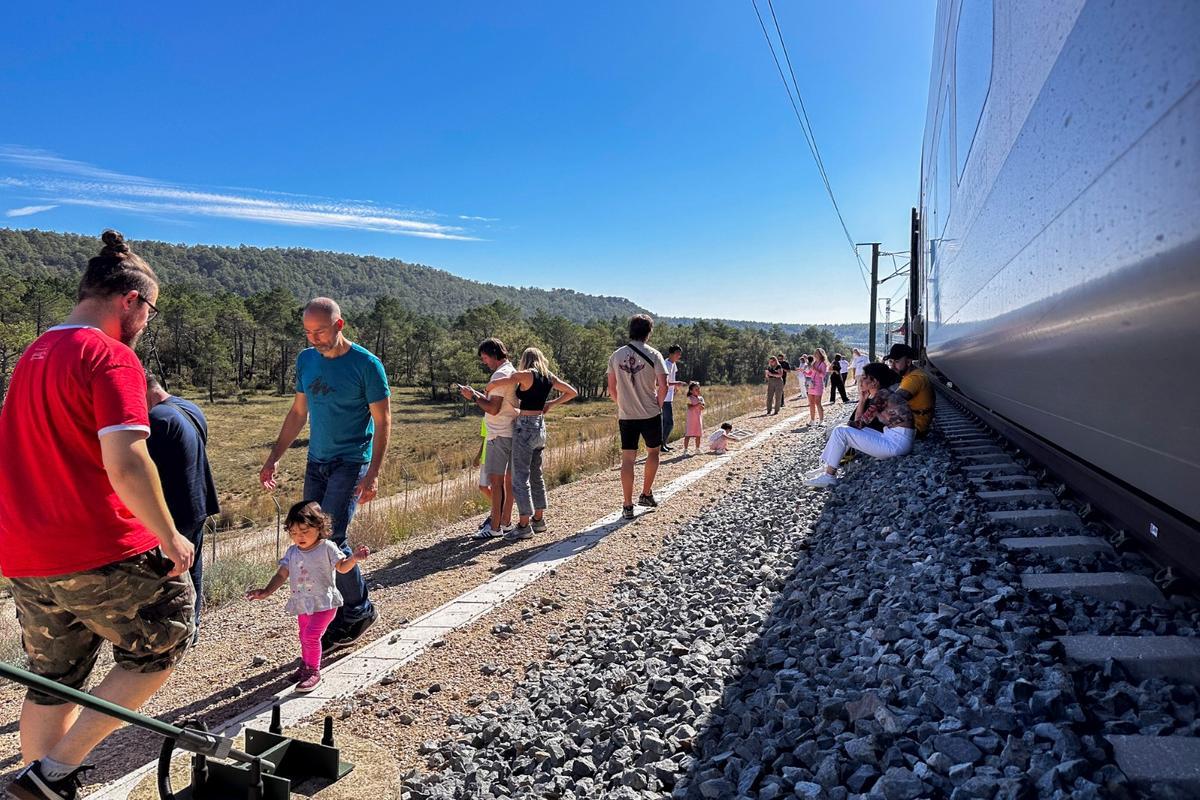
point(311, 680)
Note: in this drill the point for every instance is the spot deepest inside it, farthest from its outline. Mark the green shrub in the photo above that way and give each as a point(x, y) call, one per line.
point(229, 577)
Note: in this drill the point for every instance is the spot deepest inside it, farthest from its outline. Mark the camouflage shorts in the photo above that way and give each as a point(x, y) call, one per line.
point(64, 619)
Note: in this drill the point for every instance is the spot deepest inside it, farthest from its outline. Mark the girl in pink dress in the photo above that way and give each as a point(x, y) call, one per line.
point(816, 389)
point(695, 417)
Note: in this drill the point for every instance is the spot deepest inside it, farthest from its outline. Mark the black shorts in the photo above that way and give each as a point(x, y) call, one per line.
point(650, 430)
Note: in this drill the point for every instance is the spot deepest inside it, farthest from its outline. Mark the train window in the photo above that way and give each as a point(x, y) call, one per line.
point(972, 72)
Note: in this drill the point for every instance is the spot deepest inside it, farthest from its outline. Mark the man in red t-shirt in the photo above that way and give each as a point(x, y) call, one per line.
point(85, 535)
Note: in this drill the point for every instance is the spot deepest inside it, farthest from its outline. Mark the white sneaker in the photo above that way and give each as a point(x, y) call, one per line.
point(486, 532)
point(822, 481)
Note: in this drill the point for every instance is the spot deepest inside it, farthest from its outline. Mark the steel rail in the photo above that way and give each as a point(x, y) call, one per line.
point(1167, 535)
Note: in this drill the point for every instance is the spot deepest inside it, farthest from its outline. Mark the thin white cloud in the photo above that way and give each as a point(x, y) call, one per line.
point(25, 211)
point(35, 160)
point(99, 188)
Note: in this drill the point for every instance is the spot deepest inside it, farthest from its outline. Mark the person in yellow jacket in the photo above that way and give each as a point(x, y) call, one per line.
point(915, 386)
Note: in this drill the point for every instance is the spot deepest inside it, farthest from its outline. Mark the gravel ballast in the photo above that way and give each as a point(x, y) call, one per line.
point(868, 641)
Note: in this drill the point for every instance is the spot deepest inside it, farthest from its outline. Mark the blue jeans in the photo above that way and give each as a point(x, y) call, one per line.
point(331, 483)
point(668, 415)
point(528, 443)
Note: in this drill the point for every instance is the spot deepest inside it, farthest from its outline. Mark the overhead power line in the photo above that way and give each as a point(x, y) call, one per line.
point(797, 103)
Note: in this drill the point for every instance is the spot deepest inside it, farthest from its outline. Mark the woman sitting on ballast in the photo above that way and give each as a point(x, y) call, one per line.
point(885, 407)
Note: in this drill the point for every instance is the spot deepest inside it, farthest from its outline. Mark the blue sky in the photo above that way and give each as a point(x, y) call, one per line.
point(642, 149)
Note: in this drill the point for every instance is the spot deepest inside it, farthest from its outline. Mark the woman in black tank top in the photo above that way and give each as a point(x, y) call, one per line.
point(534, 398)
point(532, 384)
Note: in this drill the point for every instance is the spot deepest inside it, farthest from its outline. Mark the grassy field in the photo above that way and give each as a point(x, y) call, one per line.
point(429, 440)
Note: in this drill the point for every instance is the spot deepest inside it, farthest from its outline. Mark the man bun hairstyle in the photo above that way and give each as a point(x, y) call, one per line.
point(493, 348)
point(640, 326)
point(117, 270)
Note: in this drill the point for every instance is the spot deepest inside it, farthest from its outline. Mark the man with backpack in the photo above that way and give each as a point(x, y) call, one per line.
point(637, 383)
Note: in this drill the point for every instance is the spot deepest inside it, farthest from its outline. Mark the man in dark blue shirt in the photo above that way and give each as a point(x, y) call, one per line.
point(177, 445)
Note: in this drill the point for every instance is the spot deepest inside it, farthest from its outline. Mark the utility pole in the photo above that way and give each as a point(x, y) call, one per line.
point(874, 296)
point(908, 334)
point(887, 324)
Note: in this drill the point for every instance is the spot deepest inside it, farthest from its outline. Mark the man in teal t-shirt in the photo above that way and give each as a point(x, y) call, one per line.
point(342, 392)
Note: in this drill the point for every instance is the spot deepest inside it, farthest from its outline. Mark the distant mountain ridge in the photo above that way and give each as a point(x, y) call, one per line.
point(352, 279)
point(355, 280)
point(855, 334)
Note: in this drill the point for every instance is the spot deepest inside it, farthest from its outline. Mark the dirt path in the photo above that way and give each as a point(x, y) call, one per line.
point(248, 651)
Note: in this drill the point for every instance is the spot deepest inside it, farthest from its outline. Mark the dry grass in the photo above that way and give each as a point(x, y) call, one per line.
point(228, 579)
point(430, 442)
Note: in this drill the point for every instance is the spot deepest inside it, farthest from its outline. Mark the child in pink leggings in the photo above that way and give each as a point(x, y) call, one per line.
point(308, 566)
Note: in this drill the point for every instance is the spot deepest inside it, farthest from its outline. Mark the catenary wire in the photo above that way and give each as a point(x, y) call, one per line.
point(812, 146)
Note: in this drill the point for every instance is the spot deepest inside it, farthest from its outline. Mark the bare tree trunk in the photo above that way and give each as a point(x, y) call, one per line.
point(240, 355)
point(253, 345)
point(282, 367)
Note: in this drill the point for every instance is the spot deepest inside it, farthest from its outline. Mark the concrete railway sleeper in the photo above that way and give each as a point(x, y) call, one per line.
point(1046, 526)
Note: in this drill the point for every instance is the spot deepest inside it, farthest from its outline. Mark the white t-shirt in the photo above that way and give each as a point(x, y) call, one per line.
point(311, 578)
point(717, 440)
point(843, 366)
point(637, 381)
point(500, 426)
point(672, 368)
point(858, 362)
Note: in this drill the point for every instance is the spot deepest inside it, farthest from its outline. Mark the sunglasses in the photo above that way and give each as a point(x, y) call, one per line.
point(153, 308)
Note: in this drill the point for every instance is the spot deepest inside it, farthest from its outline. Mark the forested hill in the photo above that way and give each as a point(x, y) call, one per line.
point(854, 334)
point(351, 279)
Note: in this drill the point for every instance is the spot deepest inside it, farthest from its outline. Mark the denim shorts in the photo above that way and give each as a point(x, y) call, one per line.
point(499, 455)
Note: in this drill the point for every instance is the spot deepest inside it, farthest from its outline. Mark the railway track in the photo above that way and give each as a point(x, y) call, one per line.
point(1064, 555)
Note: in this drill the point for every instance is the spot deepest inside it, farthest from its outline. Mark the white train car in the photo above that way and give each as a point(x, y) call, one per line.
point(1059, 245)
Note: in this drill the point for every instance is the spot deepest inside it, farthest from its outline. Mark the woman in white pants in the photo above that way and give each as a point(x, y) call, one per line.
point(896, 438)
